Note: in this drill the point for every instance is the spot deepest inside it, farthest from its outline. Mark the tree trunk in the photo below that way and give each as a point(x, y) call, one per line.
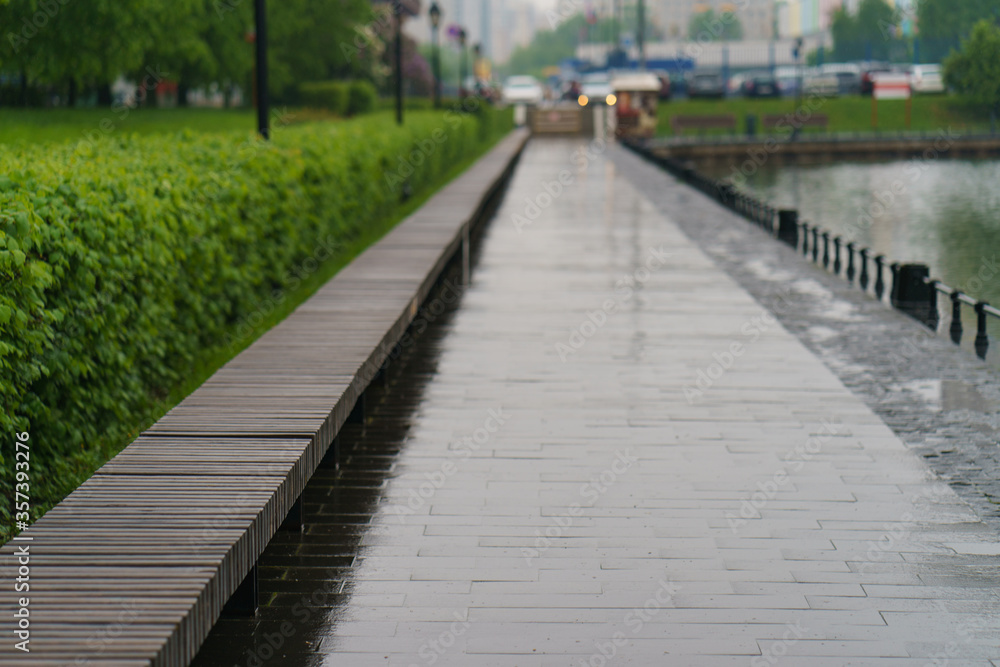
point(24, 89)
point(104, 94)
point(182, 94)
point(71, 95)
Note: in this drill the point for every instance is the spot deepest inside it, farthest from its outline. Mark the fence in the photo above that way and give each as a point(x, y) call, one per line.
point(912, 291)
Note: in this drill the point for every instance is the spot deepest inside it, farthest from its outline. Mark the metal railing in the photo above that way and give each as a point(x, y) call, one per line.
point(912, 289)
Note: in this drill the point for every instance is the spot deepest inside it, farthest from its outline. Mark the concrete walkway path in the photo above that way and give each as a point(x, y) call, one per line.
point(618, 457)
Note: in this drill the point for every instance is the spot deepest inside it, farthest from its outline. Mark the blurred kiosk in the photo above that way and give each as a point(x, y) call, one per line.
point(637, 96)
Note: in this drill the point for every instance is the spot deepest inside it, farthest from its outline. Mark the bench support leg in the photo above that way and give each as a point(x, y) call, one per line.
point(294, 521)
point(357, 415)
point(331, 460)
point(466, 257)
point(243, 603)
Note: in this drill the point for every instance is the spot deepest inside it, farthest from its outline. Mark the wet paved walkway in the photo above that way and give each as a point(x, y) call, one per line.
point(610, 454)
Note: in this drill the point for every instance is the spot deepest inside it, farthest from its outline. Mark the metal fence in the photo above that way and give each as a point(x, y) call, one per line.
point(912, 289)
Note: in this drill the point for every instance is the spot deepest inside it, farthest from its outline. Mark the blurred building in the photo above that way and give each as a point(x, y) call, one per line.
point(500, 26)
point(757, 17)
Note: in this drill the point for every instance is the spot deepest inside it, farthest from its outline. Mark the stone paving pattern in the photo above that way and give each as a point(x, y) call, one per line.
point(940, 399)
point(612, 454)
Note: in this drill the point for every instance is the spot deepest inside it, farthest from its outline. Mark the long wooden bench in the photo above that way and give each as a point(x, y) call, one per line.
point(136, 565)
point(680, 123)
point(792, 121)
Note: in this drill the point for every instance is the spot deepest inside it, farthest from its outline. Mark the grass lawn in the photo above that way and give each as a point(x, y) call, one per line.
point(24, 126)
point(845, 114)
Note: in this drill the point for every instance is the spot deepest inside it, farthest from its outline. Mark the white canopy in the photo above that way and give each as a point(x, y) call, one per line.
point(635, 81)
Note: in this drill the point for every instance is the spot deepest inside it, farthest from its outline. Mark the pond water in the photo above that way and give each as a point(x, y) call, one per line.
point(943, 213)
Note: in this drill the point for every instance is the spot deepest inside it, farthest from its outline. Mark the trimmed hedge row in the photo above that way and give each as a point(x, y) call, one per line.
point(121, 259)
point(344, 98)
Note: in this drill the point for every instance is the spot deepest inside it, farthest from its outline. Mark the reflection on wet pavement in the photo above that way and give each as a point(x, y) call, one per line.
point(608, 453)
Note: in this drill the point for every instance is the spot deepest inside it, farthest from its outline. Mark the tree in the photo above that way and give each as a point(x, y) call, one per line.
point(945, 23)
point(707, 26)
point(975, 70)
point(869, 35)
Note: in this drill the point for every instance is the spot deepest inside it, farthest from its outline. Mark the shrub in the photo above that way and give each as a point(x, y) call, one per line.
point(333, 96)
point(362, 98)
point(122, 258)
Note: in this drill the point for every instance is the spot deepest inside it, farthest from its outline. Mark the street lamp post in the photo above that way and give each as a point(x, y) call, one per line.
point(399, 62)
point(464, 68)
point(260, 39)
point(435, 14)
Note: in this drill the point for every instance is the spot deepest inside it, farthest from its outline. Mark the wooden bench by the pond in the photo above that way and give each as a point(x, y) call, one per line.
point(680, 124)
point(136, 565)
point(793, 121)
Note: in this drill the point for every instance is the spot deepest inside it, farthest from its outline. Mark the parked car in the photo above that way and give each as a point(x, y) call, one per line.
point(706, 84)
point(522, 90)
point(868, 72)
point(817, 82)
point(734, 86)
point(848, 77)
point(761, 84)
point(788, 80)
point(926, 79)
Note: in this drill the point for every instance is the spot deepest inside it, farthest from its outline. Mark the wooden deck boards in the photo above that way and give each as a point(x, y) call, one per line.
point(155, 543)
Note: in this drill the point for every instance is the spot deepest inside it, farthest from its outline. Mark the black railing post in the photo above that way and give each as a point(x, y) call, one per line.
point(879, 280)
point(850, 261)
point(816, 244)
point(863, 278)
point(805, 239)
point(932, 310)
point(826, 250)
point(788, 226)
point(909, 290)
point(956, 317)
point(836, 255)
point(982, 340)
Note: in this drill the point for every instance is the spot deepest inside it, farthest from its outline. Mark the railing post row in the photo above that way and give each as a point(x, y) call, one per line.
point(836, 255)
point(850, 261)
point(863, 278)
point(879, 280)
point(956, 317)
point(826, 250)
point(982, 340)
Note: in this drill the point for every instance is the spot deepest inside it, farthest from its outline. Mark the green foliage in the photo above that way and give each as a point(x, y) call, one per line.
point(868, 34)
point(945, 23)
point(707, 26)
point(194, 42)
point(362, 98)
point(330, 95)
point(975, 70)
point(122, 259)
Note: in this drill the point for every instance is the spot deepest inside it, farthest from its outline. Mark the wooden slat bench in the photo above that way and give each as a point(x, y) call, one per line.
point(792, 121)
point(135, 566)
point(679, 124)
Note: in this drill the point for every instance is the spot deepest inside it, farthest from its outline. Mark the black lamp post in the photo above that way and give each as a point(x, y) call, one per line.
point(435, 14)
point(465, 65)
point(399, 61)
point(260, 39)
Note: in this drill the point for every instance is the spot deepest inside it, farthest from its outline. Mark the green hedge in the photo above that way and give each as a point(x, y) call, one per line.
point(344, 98)
point(362, 98)
point(121, 259)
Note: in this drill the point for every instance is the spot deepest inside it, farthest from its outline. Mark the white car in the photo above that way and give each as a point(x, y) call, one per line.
point(522, 90)
point(818, 82)
point(596, 87)
point(926, 79)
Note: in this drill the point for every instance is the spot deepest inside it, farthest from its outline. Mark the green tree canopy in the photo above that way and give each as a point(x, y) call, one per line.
point(709, 26)
point(944, 24)
point(867, 34)
point(975, 70)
